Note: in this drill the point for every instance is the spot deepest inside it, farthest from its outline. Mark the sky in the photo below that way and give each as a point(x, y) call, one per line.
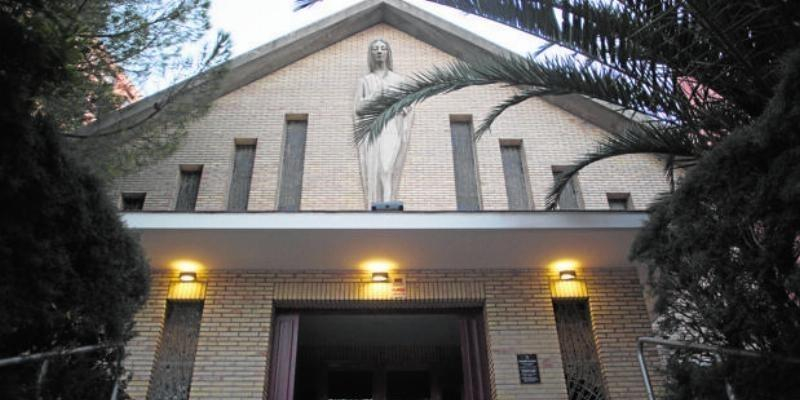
point(253, 23)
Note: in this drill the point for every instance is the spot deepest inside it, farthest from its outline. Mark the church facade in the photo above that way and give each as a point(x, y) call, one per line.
point(274, 277)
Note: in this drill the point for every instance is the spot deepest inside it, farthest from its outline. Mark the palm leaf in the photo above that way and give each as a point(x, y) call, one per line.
point(633, 54)
point(531, 78)
point(716, 41)
point(301, 4)
point(674, 143)
point(498, 110)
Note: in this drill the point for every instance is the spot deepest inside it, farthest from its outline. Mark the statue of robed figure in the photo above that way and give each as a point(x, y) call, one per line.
point(382, 158)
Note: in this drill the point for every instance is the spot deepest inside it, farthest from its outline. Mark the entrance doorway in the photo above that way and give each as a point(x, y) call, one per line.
point(381, 356)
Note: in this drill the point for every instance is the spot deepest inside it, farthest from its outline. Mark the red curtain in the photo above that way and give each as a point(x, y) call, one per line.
point(284, 357)
point(473, 358)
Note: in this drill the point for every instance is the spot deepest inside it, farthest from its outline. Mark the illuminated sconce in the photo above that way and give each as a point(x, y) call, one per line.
point(568, 286)
point(188, 276)
point(568, 275)
point(187, 291)
point(378, 265)
point(379, 271)
point(187, 287)
point(573, 289)
point(380, 277)
point(565, 264)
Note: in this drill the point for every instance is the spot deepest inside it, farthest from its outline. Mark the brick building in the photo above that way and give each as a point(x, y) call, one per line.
point(300, 291)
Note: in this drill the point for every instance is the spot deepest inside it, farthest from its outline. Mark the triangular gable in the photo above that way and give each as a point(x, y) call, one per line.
point(419, 23)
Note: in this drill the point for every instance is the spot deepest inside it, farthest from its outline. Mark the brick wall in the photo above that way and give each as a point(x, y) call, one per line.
point(234, 338)
point(323, 85)
point(619, 316)
point(232, 353)
point(142, 348)
point(233, 348)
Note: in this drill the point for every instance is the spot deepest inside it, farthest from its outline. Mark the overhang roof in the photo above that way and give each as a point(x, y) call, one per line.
point(408, 18)
point(414, 240)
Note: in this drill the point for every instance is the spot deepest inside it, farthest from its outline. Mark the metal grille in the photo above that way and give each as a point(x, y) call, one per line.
point(172, 373)
point(187, 191)
point(570, 196)
point(516, 179)
point(464, 166)
point(578, 352)
point(294, 153)
point(242, 174)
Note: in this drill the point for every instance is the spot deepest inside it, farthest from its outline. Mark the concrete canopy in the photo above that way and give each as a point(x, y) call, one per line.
point(412, 240)
point(343, 240)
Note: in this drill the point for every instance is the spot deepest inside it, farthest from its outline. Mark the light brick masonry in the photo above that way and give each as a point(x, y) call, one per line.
point(233, 349)
point(232, 352)
point(323, 86)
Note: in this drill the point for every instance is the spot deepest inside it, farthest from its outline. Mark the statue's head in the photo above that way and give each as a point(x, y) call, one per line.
point(379, 52)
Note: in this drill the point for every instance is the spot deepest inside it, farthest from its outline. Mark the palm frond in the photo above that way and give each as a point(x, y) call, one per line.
point(499, 109)
point(589, 28)
point(714, 41)
point(675, 143)
point(439, 80)
point(531, 78)
point(301, 4)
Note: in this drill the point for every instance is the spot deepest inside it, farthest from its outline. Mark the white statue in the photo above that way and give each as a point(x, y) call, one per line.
point(382, 159)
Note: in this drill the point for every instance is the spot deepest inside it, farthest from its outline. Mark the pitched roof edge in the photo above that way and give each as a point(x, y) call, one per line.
point(259, 62)
point(423, 25)
point(459, 42)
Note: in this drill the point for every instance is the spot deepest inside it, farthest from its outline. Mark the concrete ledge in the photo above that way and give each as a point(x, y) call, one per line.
point(484, 220)
point(344, 240)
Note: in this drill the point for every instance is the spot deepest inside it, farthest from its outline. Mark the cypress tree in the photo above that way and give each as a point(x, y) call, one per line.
point(723, 252)
point(71, 274)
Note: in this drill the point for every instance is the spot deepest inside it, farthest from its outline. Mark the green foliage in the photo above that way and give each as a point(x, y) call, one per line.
point(654, 42)
point(103, 42)
point(102, 39)
point(633, 55)
point(705, 78)
point(155, 131)
point(72, 274)
point(724, 248)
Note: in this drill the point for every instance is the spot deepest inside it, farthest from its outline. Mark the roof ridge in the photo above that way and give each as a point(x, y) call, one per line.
point(287, 49)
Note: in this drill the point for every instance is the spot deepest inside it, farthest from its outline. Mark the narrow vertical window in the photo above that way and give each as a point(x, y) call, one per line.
point(464, 165)
point(172, 372)
point(133, 201)
point(619, 201)
point(243, 160)
point(570, 196)
point(294, 150)
point(517, 188)
point(578, 351)
point(188, 187)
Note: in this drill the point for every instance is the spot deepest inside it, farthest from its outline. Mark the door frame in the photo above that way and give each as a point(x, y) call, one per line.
point(472, 330)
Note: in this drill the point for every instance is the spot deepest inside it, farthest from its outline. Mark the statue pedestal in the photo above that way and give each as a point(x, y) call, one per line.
point(393, 205)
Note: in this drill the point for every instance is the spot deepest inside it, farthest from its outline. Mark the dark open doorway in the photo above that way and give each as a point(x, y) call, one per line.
point(381, 356)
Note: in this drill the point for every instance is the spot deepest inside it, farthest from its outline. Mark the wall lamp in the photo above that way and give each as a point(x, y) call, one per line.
point(187, 276)
point(568, 275)
point(568, 286)
point(380, 277)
